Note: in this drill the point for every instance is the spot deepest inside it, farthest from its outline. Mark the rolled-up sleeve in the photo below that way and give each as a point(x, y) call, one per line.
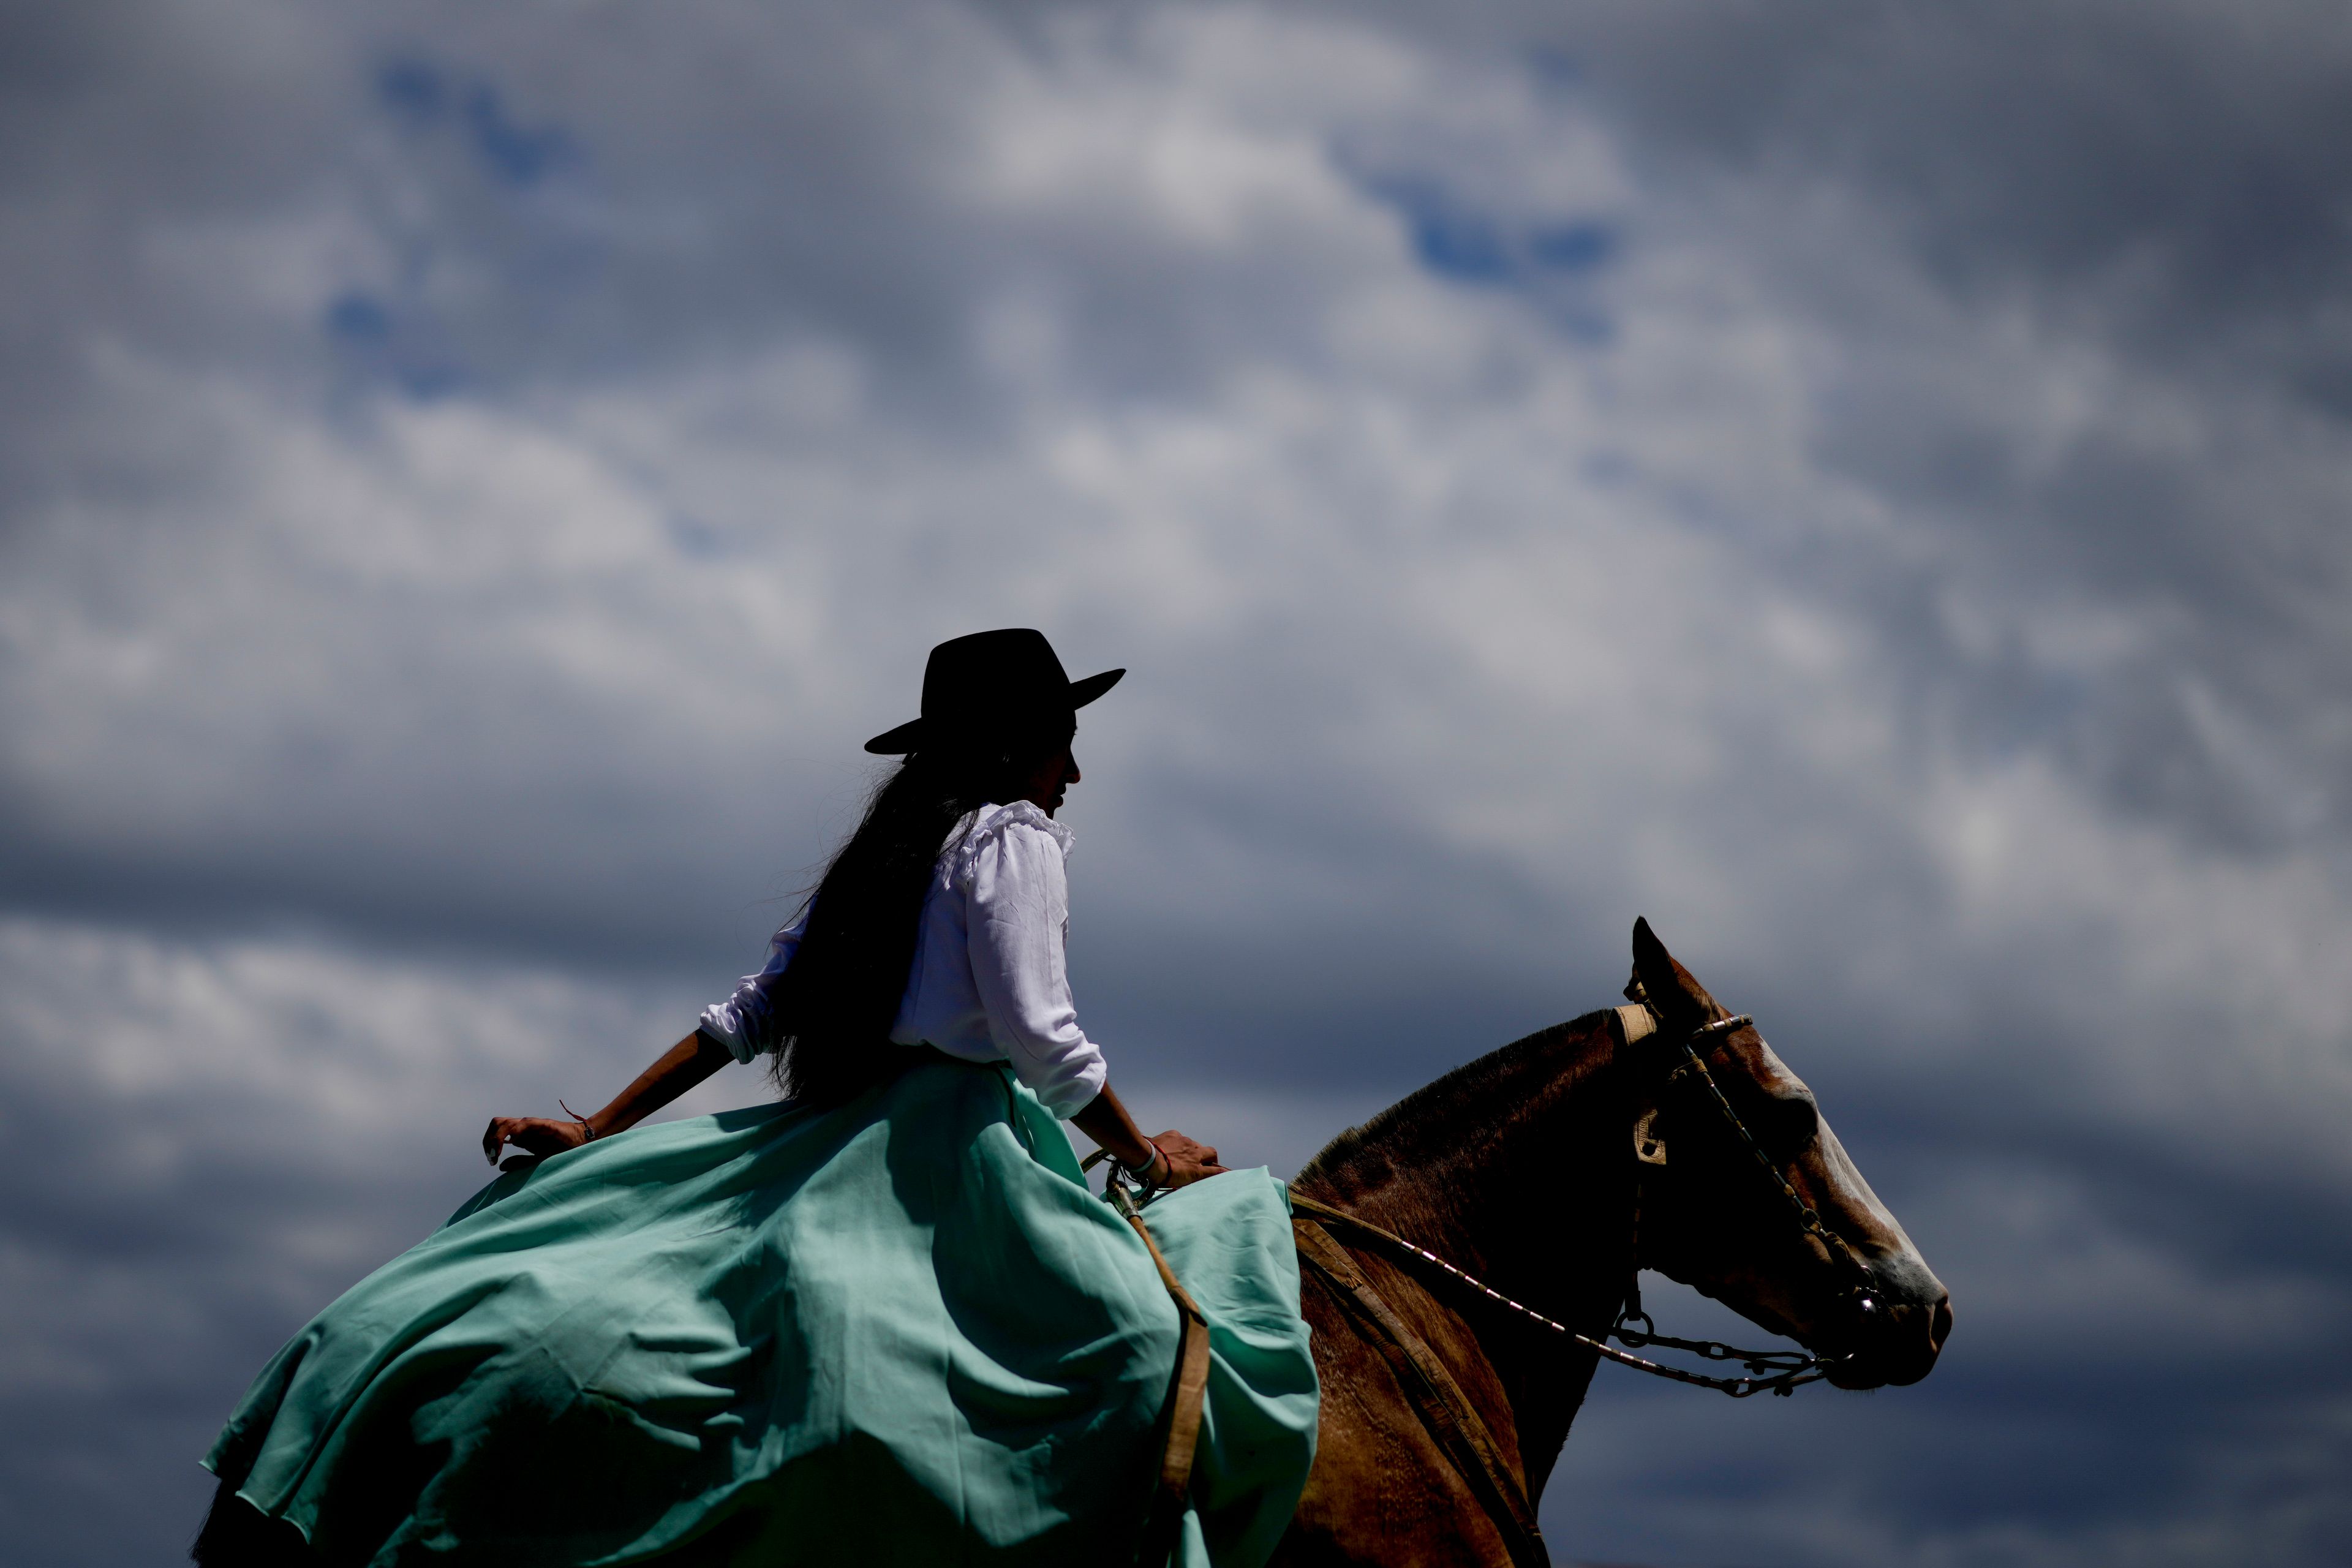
point(745, 1022)
point(1017, 906)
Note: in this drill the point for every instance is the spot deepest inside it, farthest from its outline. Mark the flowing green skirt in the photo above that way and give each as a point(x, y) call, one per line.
point(901, 1332)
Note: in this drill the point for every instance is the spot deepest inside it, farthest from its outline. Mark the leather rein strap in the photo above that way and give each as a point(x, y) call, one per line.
point(1460, 1431)
point(1187, 1394)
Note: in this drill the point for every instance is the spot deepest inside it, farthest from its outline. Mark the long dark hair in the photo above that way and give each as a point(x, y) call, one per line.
point(835, 1003)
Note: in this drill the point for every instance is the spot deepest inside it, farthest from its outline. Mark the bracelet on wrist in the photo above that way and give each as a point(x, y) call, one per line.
point(587, 1128)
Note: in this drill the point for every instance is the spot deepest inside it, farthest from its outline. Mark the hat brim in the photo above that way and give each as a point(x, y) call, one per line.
point(1085, 692)
point(912, 735)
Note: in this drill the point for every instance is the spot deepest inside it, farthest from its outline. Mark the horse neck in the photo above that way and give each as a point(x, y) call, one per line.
point(1516, 1168)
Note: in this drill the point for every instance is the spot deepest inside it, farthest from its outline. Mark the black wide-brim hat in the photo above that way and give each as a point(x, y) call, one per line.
point(990, 686)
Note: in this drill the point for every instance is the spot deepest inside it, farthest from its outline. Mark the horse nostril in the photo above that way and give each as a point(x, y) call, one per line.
point(1939, 1327)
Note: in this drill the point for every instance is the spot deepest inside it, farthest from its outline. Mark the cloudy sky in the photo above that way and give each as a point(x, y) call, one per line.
point(1862, 484)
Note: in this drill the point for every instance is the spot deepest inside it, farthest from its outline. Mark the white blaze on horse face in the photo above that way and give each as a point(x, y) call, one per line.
point(1849, 1200)
point(1913, 1310)
point(1844, 1197)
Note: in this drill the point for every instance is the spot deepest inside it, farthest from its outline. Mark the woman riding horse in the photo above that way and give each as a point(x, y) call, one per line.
point(883, 1320)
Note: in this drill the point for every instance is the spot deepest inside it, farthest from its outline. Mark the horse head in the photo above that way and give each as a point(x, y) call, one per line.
point(1716, 1217)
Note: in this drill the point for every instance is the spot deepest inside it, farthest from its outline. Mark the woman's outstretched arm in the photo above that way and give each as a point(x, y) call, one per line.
point(1105, 1120)
point(677, 1070)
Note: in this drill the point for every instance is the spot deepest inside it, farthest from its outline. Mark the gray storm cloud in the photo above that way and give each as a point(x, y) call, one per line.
point(1862, 489)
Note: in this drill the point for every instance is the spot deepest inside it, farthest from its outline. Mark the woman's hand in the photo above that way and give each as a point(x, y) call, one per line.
point(1188, 1162)
point(532, 1134)
point(673, 1072)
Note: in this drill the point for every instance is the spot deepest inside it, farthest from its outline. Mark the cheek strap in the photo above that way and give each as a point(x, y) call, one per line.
point(1637, 1023)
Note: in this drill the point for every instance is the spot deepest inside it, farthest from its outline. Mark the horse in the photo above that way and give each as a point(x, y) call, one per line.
point(1552, 1171)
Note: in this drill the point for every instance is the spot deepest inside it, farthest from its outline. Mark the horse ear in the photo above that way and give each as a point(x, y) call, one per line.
point(1679, 1001)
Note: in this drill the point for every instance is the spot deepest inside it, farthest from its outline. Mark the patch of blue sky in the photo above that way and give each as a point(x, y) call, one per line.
point(373, 340)
point(512, 151)
point(1464, 247)
point(1462, 244)
point(1578, 247)
point(516, 153)
point(359, 319)
point(416, 89)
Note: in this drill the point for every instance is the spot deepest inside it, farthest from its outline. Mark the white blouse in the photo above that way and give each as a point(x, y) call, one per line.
point(990, 981)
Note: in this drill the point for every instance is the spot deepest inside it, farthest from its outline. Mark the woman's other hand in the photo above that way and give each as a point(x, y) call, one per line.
point(1176, 1159)
point(1188, 1162)
point(532, 1134)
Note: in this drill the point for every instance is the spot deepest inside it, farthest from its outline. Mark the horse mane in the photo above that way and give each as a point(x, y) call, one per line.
point(1471, 1083)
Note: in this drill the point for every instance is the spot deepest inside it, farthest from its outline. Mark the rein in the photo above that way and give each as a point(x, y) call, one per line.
point(1789, 1368)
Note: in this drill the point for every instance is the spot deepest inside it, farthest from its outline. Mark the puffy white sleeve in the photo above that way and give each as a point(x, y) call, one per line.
point(744, 1023)
point(1017, 912)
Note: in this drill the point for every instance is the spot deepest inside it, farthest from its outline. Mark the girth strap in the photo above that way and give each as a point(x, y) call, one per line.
point(1452, 1421)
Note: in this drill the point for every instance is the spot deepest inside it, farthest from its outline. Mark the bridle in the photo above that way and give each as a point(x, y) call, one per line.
point(1775, 1371)
point(1790, 1369)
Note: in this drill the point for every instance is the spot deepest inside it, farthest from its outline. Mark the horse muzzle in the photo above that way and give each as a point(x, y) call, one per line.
point(1899, 1327)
